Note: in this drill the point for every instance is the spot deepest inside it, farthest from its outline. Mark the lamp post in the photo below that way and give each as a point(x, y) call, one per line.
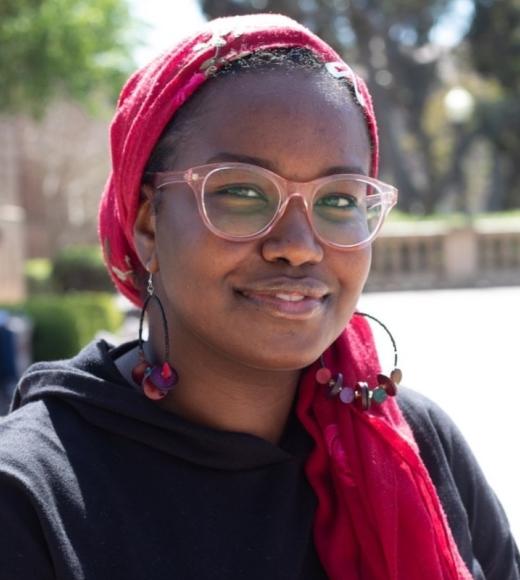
point(461, 251)
point(459, 106)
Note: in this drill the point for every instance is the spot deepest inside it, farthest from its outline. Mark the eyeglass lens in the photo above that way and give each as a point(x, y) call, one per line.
point(242, 202)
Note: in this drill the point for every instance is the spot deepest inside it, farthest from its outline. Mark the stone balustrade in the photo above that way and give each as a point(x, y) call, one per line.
point(425, 255)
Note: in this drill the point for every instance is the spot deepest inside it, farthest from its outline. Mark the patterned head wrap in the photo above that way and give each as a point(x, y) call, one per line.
point(152, 96)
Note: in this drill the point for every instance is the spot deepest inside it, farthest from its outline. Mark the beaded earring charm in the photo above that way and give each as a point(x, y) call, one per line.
point(361, 393)
point(155, 380)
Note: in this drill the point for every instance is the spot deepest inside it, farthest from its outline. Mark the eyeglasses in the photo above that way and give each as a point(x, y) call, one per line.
point(242, 202)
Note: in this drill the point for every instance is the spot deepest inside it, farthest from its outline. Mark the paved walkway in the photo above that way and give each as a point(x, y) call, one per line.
point(461, 348)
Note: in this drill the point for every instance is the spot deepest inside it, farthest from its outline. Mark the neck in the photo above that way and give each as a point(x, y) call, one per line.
point(219, 393)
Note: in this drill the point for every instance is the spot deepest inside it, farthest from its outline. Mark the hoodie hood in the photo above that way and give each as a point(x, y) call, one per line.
point(91, 383)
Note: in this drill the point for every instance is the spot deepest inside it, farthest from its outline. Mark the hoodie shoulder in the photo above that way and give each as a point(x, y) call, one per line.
point(34, 434)
point(435, 431)
point(477, 519)
point(29, 446)
point(81, 376)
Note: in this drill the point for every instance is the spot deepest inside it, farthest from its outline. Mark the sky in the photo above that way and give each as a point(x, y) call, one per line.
point(167, 21)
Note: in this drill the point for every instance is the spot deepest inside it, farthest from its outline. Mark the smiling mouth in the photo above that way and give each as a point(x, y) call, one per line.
point(286, 303)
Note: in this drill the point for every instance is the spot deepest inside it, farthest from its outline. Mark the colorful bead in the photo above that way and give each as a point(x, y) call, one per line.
point(164, 383)
point(336, 385)
point(323, 376)
point(347, 395)
point(391, 388)
point(156, 381)
point(364, 394)
point(151, 391)
point(396, 376)
point(379, 395)
point(361, 392)
point(139, 371)
point(388, 385)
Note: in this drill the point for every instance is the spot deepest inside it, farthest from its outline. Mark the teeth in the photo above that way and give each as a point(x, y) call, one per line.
point(290, 297)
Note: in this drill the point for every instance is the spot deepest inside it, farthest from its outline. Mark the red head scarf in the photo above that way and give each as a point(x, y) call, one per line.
point(151, 98)
point(378, 515)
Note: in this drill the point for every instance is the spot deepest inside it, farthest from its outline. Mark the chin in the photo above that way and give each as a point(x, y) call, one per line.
point(283, 357)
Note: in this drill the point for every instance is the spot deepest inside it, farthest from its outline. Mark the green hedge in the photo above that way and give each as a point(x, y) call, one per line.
point(62, 325)
point(76, 268)
point(80, 268)
point(38, 276)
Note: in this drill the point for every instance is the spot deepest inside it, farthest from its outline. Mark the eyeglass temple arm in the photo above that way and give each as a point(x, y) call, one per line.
point(386, 198)
point(155, 178)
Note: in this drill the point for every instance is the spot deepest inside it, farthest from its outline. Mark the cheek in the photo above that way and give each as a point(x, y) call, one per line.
point(177, 238)
point(178, 214)
point(353, 267)
point(365, 261)
point(351, 270)
point(191, 258)
point(180, 233)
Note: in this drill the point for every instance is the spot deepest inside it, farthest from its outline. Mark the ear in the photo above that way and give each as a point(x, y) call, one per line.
point(145, 231)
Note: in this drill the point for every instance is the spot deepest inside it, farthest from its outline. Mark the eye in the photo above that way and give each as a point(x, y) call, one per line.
point(337, 201)
point(241, 192)
point(238, 199)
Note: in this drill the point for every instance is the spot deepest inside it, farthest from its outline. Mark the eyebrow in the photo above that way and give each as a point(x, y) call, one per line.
point(239, 157)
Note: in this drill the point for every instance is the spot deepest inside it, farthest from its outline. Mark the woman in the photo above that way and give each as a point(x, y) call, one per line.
point(250, 436)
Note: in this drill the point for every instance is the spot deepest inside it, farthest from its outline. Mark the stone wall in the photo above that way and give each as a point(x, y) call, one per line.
point(12, 242)
point(427, 255)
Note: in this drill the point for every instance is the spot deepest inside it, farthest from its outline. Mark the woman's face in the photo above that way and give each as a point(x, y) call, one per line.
point(243, 300)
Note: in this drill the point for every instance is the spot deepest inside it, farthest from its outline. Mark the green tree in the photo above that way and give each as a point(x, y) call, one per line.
point(494, 38)
point(393, 42)
point(494, 41)
point(53, 48)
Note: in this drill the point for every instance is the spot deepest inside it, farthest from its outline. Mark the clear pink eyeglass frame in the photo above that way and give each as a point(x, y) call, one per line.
point(196, 178)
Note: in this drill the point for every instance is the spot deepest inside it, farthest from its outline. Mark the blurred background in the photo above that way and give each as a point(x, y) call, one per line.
point(445, 77)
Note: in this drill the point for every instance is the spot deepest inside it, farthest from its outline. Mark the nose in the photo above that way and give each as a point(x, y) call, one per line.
point(292, 239)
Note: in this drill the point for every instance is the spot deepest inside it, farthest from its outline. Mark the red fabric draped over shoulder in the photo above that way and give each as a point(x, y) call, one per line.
point(378, 515)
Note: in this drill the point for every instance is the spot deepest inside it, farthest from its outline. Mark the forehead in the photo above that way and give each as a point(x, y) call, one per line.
point(299, 122)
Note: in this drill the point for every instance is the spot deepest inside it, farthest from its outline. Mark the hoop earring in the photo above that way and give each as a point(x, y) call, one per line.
point(156, 381)
point(361, 394)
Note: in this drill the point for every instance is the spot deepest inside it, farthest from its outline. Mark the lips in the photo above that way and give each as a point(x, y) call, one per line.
point(286, 297)
point(305, 287)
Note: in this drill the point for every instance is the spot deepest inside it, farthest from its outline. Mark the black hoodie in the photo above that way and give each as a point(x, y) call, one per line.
point(97, 482)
